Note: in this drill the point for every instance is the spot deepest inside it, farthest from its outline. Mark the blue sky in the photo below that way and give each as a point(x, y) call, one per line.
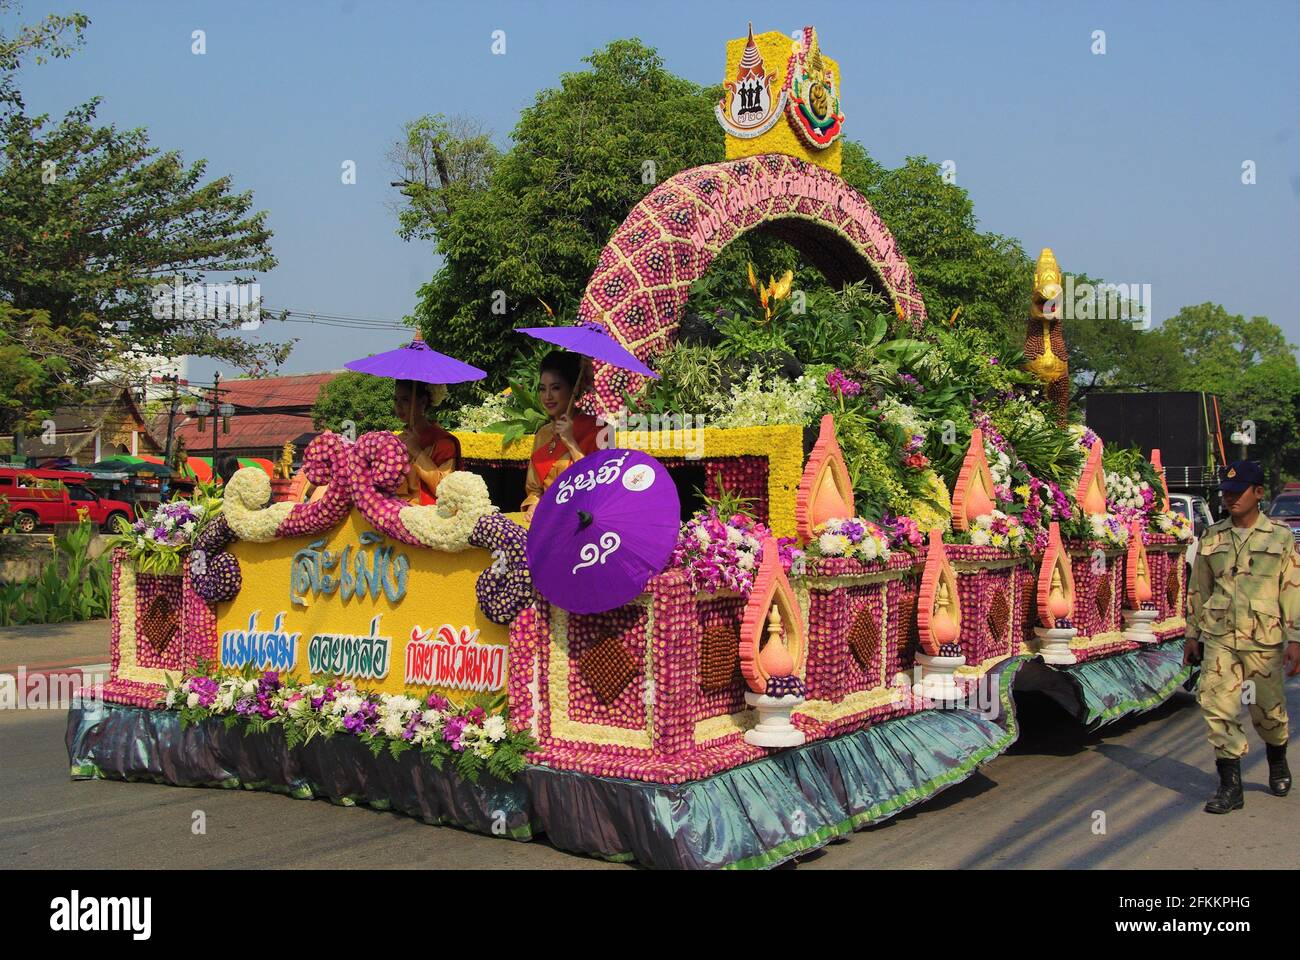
point(1127, 164)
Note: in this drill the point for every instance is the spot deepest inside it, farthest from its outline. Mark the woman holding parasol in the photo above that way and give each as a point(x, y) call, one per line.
point(433, 451)
point(568, 436)
point(421, 374)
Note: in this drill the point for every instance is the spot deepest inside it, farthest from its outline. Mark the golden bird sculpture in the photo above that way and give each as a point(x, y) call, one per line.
point(1047, 356)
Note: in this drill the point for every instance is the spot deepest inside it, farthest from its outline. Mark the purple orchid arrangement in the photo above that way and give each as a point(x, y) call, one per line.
point(723, 554)
point(842, 385)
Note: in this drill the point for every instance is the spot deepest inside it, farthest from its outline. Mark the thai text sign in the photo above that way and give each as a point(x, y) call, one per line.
point(352, 603)
point(454, 658)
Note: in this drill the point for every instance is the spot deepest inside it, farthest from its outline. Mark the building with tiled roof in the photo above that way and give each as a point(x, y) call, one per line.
point(107, 423)
point(269, 412)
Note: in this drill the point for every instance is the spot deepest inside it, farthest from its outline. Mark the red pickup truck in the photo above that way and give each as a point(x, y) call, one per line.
point(39, 497)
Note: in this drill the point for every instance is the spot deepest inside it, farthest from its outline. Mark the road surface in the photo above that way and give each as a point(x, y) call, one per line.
point(1040, 805)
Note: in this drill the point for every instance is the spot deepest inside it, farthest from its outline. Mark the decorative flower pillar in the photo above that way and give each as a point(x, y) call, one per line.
point(938, 619)
point(1160, 472)
point(773, 649)
point(1091, 492)
point(825, 491)
point(1139, 611)
point(972, 495)
point(1055, 602)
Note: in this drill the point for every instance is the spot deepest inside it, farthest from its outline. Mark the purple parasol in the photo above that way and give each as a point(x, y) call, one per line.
point(591, 340)
point(602, 530)
point(417, 361)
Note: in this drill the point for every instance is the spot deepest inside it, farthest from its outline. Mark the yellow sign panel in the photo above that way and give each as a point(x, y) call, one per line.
point(757, 88)
point(356, 605)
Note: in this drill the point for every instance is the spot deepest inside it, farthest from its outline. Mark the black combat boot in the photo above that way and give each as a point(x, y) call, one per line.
point(1228, 797)
point(1279, 774)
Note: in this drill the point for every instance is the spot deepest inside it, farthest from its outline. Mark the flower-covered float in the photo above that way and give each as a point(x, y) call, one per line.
point(877, 540)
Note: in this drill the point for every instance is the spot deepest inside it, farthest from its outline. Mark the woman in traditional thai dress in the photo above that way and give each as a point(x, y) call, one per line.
point(434, 452)
point(568, 437)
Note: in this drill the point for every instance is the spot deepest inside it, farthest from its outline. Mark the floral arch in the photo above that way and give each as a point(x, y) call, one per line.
point(644, 274)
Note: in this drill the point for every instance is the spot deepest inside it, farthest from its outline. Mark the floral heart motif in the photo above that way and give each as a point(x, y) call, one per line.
point(864, 637)
point(505, 587)
point(160, 622)
point(719, 657)
point(999, 616)
point(1102, 599)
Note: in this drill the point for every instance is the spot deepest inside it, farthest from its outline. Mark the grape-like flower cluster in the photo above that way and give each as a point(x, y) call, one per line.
point(506, 587)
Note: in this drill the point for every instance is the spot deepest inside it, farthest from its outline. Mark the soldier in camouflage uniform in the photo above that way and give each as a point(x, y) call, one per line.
point(1243, 626)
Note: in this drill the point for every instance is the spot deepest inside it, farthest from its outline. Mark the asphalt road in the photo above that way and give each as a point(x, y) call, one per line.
point(1036, 806)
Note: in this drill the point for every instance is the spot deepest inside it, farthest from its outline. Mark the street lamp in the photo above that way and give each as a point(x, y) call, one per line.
point(202, 408)
point(227, 411)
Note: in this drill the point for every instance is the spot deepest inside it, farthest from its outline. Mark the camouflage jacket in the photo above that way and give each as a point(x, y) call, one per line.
point(1245, 594)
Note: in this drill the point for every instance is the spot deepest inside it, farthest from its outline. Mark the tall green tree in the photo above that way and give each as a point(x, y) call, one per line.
point(94, 221)
point(582, 155)
point(1252, 369)
point(989, 276)
point(530, 222)
point(365, 400)
point(54, 37)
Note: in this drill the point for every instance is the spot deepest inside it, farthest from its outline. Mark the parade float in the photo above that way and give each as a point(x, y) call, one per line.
point(712, 646)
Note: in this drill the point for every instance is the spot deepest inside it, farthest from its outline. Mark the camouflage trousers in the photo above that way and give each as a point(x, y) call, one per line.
point(1230, 676)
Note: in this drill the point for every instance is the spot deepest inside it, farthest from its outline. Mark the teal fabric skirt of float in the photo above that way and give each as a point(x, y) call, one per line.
point(754, 816)
point(1101, 691)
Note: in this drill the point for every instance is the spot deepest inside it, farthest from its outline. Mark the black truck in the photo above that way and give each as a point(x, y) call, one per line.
point(1183, 426)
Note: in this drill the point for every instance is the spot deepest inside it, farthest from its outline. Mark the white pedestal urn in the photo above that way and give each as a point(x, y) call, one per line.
point(774, 728)
point(938, 680)
point(1054, 644)
point(1138, 625)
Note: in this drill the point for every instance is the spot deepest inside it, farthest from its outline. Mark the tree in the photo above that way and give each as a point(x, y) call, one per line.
point(1252, 369)
point(1111, 353)
point(365, 400)
point(582, 156)
point(54, 37)
point(530, 223)
point(93, 221)
point(989, 276)
point(437, 159)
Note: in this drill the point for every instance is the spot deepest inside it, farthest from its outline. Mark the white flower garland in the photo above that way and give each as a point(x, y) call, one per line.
point(246, 493)
point(462, 500)
point(982, 533)
point(1125, 490)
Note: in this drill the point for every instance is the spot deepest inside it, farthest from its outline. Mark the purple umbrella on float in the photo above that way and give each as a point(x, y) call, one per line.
point(417, 361)
point(602, 530)
point(591, 340)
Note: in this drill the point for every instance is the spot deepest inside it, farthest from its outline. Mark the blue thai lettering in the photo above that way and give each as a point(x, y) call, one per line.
point(373, 570)
point(272, 649)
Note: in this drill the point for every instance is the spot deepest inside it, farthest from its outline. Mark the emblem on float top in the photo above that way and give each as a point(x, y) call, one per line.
point(814, 104)
point(747, 108)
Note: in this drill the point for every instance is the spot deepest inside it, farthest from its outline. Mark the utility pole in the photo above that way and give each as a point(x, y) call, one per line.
point(171, 415)
point(171, 422)
point(216, 409)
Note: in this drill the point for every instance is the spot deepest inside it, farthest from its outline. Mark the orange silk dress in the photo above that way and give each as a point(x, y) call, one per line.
point(434, 455)
point(546, 465)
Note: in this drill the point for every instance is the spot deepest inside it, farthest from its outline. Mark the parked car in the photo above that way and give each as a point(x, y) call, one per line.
point(1194, 508)
point(42, 497)
point(1285, 508)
